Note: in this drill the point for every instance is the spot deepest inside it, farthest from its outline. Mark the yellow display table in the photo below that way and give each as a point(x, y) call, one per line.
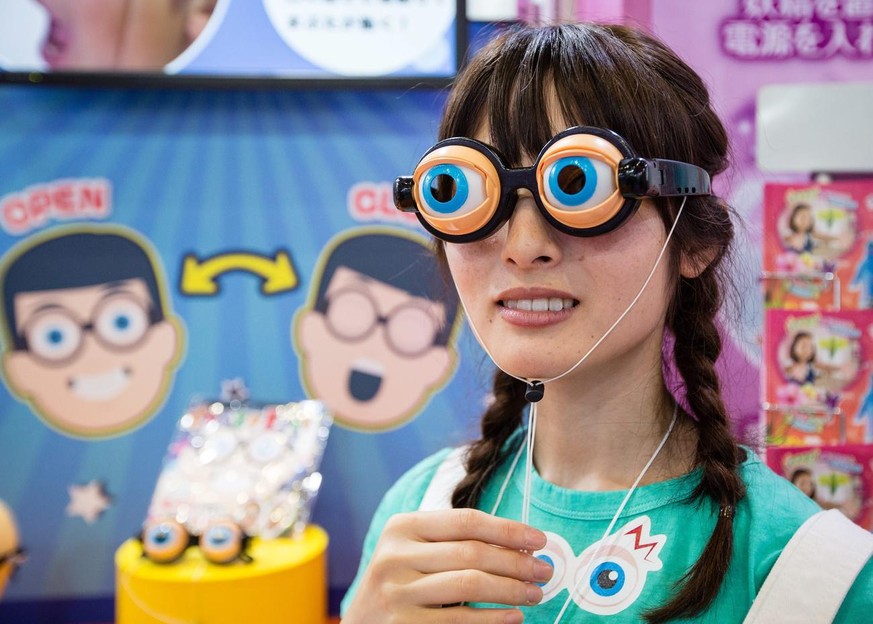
point(285, 583)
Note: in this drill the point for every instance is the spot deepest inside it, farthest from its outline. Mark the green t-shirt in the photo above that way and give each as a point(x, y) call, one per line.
point(658, 537)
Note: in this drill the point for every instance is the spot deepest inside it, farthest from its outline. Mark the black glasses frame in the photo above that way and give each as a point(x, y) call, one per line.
point(638, 178)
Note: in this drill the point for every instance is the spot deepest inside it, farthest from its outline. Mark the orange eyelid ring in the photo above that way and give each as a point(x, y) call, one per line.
point(589, 146)
point(581, 144)
point(223, 542)
point(164, 541)
point(590, 217)
point(461, 156)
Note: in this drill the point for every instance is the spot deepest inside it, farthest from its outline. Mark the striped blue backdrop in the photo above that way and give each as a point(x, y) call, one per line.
point(205, 172)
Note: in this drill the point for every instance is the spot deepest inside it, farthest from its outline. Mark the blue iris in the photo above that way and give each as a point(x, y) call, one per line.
point(586, 173)
point(607, 579)
point(122, 322)
point(218, 536)
point(432, 182)
point(55, 336)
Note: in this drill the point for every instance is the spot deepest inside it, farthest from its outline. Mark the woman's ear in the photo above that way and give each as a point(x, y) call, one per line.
point(197, 16)
point(691, 266)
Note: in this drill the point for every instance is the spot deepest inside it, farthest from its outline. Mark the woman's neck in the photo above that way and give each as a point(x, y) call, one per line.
point(598, 435)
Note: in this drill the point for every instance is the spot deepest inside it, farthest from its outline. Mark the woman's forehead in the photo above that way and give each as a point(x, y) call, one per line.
point(557, 123)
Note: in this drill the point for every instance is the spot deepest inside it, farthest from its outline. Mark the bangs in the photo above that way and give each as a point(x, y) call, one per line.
point(529, 84)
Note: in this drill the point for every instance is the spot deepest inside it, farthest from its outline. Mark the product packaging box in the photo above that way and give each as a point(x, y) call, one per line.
point(836, 477)
point(817, 387)
point(818, 246)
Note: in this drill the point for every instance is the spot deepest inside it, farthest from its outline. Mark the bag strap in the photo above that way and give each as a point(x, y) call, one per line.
point(813, 574)
point(450, 472)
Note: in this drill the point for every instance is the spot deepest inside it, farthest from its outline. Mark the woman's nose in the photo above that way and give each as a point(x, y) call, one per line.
point(530, 240)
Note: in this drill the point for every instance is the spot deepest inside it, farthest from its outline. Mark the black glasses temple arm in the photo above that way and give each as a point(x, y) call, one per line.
point(640, 177)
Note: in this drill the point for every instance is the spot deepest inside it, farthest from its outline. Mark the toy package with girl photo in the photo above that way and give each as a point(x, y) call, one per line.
point(817, 377)
point(818, 245)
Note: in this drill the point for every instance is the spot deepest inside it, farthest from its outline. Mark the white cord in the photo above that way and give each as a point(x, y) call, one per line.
point(608, 331)
point(532, 418)
point(528, 475)
point(617, 515)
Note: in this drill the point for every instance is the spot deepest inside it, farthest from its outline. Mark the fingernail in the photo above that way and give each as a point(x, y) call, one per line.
point(513, 617)
point(542, 570)
point(534, 595)
point(534, 539)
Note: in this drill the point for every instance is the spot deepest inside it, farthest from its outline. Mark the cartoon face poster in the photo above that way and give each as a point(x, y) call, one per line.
point(817, 386)
point(836, 477)
point(818, 246)
point(375, 339)
point(90, 342)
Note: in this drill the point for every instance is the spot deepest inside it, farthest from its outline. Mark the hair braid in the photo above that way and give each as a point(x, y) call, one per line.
point(697, 347)
point(499, 421)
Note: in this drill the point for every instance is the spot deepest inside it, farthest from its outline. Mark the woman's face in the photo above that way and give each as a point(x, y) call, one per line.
point(539, 298)
point(805, 483)
point(113, 34)
point(804, 349)
point(802, 220)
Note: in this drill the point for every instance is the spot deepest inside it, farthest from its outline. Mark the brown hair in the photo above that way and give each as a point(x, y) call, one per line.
point(625, 80)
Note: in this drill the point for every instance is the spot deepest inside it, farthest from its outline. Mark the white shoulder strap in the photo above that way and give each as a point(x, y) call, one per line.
point(813, 574)
point(439, 493)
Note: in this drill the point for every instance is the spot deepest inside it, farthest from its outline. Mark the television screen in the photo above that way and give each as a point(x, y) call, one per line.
point(190, 41)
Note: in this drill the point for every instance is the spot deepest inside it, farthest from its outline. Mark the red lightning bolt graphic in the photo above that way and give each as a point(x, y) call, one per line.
point(638, 545)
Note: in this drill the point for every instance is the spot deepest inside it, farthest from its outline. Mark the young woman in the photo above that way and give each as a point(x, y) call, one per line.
point(575, 248)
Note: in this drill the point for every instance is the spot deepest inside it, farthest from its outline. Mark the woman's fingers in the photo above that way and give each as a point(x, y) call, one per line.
point(473, 555)
point(459, 586)
point(469, 524)
point(427, 559)
point(468, 615)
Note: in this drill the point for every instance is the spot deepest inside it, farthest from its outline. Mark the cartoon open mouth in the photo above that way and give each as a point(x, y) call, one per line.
point(101, 387)
point(365, 379)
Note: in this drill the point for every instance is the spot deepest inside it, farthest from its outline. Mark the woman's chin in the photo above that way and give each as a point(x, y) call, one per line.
point(532, 370)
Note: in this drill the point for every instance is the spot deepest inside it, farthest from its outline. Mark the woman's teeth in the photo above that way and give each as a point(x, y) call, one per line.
point(552, 304)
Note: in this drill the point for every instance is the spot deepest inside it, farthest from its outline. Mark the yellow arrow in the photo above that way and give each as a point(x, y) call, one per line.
point(199, 276)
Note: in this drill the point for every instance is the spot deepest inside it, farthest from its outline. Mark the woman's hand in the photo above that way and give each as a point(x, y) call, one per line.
point(429, 562)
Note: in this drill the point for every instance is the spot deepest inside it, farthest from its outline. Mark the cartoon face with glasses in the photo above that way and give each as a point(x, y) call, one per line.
point(89, 343)
point(374, 342)
point(586, 181)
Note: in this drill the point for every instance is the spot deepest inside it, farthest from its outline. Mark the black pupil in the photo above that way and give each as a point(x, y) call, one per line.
point(571, 179)
point(604, 581)
point(443, 188)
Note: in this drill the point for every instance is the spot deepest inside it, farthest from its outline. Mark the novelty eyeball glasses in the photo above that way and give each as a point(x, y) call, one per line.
point(166, 540)
point(586, 181)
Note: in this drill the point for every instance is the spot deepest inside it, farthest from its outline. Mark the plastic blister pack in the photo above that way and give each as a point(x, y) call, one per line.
point(256, 465)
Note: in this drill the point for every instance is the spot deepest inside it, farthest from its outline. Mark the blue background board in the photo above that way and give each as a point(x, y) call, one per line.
point(206, 172)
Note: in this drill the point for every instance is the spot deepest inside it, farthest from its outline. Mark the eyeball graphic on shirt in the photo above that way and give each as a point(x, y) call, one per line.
point(610, 574)
point(558, 554)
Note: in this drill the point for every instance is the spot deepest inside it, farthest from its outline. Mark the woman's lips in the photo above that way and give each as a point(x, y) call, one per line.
point(536, 310)
point(56, 42)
